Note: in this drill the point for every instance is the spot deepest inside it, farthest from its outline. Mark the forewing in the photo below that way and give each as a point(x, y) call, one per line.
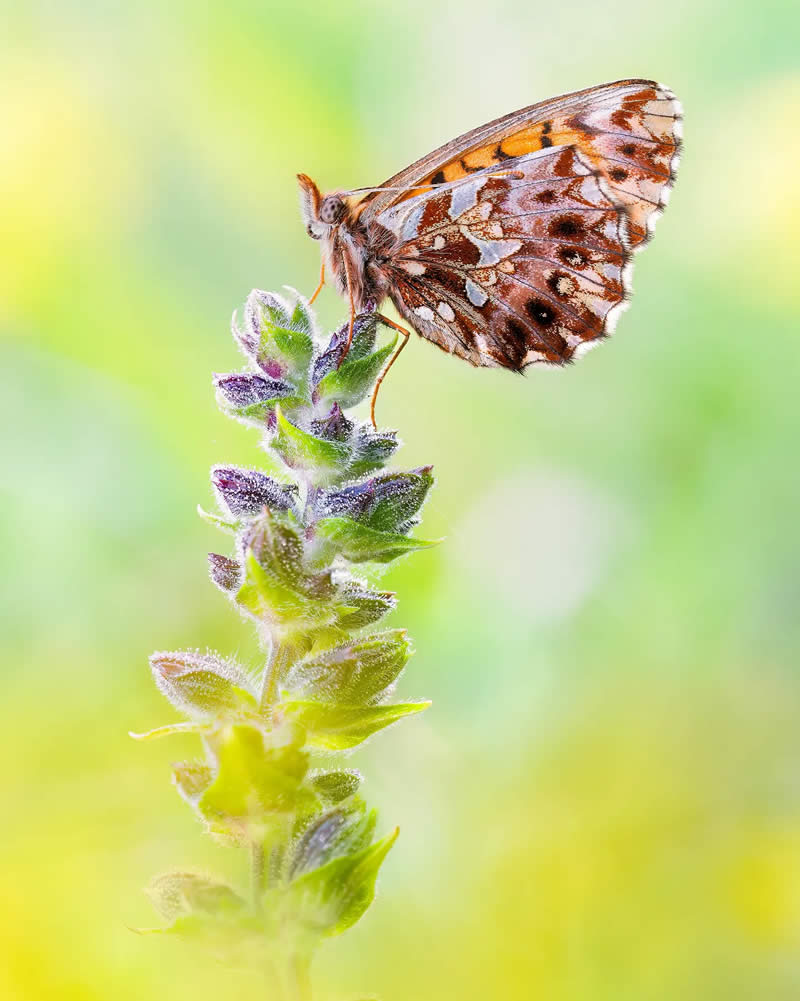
point(628, 130)
point(511, 267)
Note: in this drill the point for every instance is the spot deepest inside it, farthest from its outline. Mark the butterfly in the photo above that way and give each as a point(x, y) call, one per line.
point(511, 245)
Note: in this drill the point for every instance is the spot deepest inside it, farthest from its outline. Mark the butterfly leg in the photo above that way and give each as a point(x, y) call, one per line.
point(405, 335)
point(352, 310)
point(318, 289)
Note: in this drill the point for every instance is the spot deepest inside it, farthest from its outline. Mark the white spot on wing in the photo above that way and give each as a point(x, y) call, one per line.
point(465, 195)
point(492, 251)
point(475, 293)
point(413, 267)
point(424, 313)
point(439, 242)
point(445, 310)
point(411, 221)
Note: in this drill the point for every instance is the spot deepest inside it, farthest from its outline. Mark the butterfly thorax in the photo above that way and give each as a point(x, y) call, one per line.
point(353, 253)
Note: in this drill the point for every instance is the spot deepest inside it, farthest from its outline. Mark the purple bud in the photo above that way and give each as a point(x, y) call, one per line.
point(334, 427)
point(333, 355)
point(225, 573)
point(244, 337)
point(248, 491)
point(389, 502)
point(244, 390)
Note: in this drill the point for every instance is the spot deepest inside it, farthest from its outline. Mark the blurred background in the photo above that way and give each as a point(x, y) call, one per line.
point(604, 802)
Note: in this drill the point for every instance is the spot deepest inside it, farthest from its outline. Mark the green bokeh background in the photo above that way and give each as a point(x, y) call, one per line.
point(604, 802)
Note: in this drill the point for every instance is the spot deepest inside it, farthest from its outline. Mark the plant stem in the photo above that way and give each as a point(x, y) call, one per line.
point(275, 987)
point(280, 658)
point(258, 871)
point(300, 978)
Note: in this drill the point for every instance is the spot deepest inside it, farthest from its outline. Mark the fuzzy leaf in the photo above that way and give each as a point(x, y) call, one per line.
point(362, 606)
point(224, 524)
point(179, 893)
point(321, 460)
point(333, 727)
point(192, 726)
point(276, 542)
point(332, 355)
point(329, 900)
point(356, 674)
point(302, 318)
point(334, 426)
point(267, 598)
point(282, 333)
point(371, 450)
point(254, 780)
point(342, 830)
point(202, 685)
point(361, 544)
point(352, 381)
point(388, 503)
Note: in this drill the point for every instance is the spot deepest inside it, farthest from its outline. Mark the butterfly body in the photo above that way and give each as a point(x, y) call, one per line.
point(511, 245)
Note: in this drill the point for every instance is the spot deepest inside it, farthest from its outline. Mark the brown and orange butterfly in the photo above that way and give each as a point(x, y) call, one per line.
point(510, 246)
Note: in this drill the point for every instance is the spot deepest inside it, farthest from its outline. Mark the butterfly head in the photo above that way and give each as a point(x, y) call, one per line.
point(320, 214)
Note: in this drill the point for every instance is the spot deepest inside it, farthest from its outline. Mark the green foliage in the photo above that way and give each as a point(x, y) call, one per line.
point(331, 898)
point(324, 687)
point(351, 382)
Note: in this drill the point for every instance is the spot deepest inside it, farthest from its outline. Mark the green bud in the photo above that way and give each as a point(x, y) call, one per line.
point(356, 674)
point(389, 503)
point(342, 830)
point(361, 605)
point(202, 685)
point(337, 785)
point(330, 899)
point(370, 450)
point(175, 894)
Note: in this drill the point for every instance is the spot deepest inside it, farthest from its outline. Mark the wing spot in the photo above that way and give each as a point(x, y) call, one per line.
point(618, 173)
point(563, 285)
point(546, 197)
point(574, 258)
point(566, 225)
point(541, 312)
point(475, 293)
point(628, 149)
point(445, 310)
point(438, 177)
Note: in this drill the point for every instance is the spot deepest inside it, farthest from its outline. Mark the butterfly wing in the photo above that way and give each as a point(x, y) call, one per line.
point(511, 267)
point(629, 131)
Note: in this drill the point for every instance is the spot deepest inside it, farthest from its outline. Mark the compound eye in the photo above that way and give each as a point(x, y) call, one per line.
point(331, 210)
